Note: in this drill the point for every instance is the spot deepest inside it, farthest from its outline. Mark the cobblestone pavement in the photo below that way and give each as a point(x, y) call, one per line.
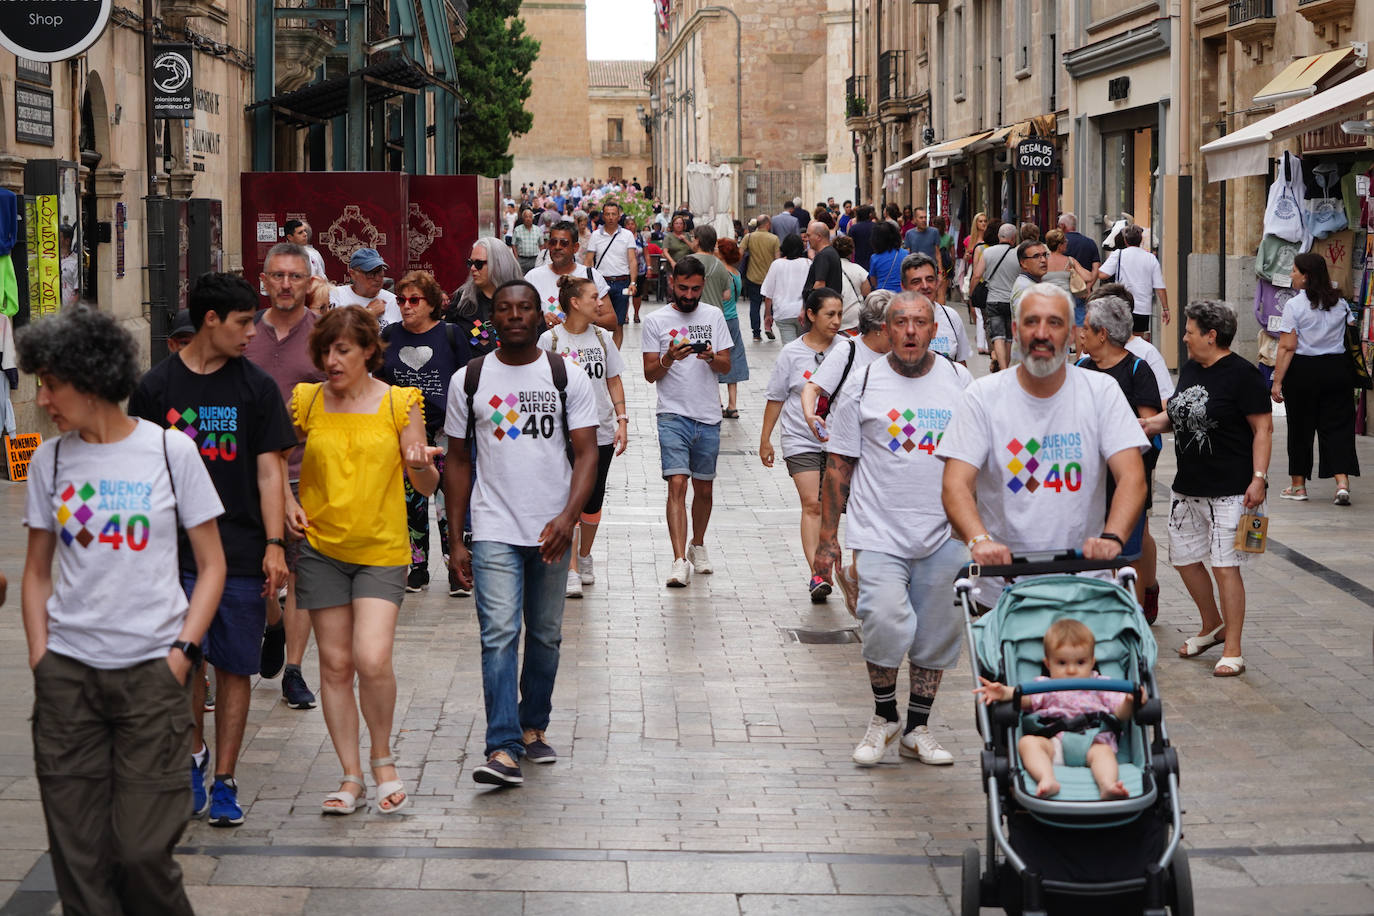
point(704, 760)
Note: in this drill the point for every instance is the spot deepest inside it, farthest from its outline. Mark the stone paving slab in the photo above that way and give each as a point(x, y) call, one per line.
point(697, 741)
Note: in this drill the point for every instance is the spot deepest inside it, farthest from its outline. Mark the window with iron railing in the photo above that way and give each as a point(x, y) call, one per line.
point(1246, 10)
point(891, 84)
point(856, 96)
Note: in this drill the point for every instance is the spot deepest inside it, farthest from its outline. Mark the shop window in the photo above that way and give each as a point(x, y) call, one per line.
point(615, 129)
point(1117, 195)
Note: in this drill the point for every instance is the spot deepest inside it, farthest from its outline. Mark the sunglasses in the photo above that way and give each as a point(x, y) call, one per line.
point(476, 265)
point(560, 243)
point(412, 300)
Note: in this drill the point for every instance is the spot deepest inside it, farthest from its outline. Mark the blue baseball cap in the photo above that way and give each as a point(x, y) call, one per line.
point(366, 260)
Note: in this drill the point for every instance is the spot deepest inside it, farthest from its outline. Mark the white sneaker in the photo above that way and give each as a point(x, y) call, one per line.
point(920, 744)
point(681, 574)
point(587, 568)
point(574, 589)
point(879, 737)
point(696, 555)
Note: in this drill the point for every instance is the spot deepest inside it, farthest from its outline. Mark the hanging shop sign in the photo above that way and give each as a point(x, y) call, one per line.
point(171, 83)
point(37, 72)
point(33, 118)
point(50, 30)
point(1036, 155)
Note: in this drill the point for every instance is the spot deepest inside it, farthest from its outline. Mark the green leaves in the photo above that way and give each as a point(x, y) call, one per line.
point(493, 64)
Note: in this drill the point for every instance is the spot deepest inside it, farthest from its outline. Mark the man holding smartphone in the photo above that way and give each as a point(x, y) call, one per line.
point(685, 344)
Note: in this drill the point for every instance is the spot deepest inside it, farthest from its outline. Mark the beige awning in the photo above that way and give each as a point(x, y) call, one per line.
point(945, 152)
point(1246, 151)
point(1300, 78)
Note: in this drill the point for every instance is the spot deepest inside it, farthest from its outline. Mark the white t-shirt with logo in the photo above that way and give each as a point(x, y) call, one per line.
point(690, 387)
point(316, 261)
point(610, 252)
point(1138, 271)
point(949, 337)
point(523, 475)
point(546, 281)
point(117, 598)
point(340, 296)
point(1142, 348)
point(796, 364)
point(595, 353)
point(893, 425)
point(1042, 462)
point(828, 376)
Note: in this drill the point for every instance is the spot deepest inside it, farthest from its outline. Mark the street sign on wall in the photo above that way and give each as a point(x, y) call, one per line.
point(171, 83)
point(50, 30)
point(1036, 154)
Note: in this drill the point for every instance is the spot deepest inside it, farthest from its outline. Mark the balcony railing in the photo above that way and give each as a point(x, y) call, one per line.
point(856, 96)
point(890, 82)
point(1245, 10)
point(615, 147)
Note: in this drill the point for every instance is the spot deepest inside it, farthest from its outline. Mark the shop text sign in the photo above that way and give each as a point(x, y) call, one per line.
point(45, 264)
point(1036, 155)
point(18, 452)
point(33, 117)
point(50, 30)
point(170, 83)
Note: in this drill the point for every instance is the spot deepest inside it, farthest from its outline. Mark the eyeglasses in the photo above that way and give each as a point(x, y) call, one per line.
point(476, 265)
point(560, 243)
point(279, 275)
point(1036, 254)
point(412, 300)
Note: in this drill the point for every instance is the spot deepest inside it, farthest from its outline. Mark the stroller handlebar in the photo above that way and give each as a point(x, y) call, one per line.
point(1041, 563)
point(1112, 685)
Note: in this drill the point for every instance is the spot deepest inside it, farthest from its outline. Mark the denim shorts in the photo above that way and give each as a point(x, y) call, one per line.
point(688, 447)
point(233, 644)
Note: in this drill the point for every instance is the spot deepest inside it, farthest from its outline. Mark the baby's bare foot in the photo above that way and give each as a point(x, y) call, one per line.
point(1047, 788)
point(1116, 790)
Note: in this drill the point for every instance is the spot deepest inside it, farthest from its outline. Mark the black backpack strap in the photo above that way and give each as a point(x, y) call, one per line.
point(559, 370)
point(848, 364)
point(451, 333)
point(470, 381)
point(864, 387)
point(167, 463)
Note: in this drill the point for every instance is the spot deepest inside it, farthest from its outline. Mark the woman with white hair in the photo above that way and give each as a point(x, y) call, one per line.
point(490, 264)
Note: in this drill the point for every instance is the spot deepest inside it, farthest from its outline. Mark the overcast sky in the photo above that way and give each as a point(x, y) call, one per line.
point(620, 29)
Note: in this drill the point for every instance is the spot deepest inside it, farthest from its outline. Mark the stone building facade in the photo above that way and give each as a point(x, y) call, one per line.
point(559, 145)
point(618, 96)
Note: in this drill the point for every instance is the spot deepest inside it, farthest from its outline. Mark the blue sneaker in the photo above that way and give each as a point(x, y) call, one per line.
point(200, 800)
point(224, 804)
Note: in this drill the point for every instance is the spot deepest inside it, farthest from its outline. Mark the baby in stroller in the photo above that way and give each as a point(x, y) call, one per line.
point(1075, 726)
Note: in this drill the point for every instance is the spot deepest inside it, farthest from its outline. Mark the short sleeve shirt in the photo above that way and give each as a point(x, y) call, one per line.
point(344, 295)
point(825, 266)
point(287, 360)
point(425, 361)
point(1212, 437)
point(523, 475)
point(610, 253)
point(795, 366)
point(232, 415)
point(117, 598)
point(690, 387)
point(784, 285)
point(592, 352)
point(892, 425)
point(546, 281)
point(1138, 271)
point(950, 338)
point(1320, 333)
point(828, 376)
point(1146, 351)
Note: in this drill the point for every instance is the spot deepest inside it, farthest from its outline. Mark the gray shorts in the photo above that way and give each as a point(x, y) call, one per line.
point(806, 461)
point(997, 320)
point(323, 582)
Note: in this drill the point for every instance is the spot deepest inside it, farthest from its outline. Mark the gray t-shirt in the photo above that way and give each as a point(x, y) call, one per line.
point(1000, 269)
point(796, 364)
point(117, 599)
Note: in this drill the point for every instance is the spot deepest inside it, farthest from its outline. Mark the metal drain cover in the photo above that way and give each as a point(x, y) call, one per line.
point(821, 637)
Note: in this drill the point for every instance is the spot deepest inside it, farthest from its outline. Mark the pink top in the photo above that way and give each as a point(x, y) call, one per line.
point(1068, 703)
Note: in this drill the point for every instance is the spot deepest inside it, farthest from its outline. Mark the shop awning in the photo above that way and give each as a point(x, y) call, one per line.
point(1246, 151)
point(992, 140)
point(322, 101)
point(919, 155)
point(954, 149)
point(1300, 78)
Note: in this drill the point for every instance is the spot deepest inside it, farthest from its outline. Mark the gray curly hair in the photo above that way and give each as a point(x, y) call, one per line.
point(1110, 314)
point(84, 348)
point(873, 312)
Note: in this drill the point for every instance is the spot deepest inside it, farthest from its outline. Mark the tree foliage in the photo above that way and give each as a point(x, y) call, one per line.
point(493, 66)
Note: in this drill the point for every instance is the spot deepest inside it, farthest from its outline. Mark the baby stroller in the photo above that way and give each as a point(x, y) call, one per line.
point(1075, 852)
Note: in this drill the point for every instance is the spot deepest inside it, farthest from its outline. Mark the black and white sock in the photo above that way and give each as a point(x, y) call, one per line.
point(917, 712)
point(885, 703)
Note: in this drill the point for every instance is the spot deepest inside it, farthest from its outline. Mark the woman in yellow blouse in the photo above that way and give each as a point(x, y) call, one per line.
point(360, 433)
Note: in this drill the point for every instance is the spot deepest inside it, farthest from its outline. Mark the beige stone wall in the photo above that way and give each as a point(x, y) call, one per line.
point(633, 154)
point(558, 146)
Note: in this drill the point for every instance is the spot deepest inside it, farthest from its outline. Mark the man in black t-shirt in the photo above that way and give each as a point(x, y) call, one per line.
point(233, 412)
point(825, 265)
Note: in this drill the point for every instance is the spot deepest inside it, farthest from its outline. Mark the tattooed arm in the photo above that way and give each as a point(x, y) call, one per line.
point(839, 472)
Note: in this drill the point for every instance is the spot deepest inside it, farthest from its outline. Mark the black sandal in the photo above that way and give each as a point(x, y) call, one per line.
point(729, 413)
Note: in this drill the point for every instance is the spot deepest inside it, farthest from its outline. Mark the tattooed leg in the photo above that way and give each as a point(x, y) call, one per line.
point(925, 683)
point(884, 684)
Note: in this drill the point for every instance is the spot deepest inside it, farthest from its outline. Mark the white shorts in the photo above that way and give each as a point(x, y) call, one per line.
point(1203, 529)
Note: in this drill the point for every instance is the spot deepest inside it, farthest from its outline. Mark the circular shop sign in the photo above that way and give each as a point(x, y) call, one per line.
point(51, 30)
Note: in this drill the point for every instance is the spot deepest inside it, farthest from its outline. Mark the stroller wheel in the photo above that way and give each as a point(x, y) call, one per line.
point(1180, 885)
point(971, 898)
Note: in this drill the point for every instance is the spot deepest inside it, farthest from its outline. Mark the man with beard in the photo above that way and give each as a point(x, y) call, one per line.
point(903, 547)
point(1028, 452)
point(685, 344)
point(562, 245)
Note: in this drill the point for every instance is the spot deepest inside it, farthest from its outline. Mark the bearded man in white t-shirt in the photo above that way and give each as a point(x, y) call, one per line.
point(881, 463)
point(1028, 452)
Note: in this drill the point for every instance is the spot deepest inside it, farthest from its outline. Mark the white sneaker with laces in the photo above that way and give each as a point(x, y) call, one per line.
point(681, 574)
point(587, 568)
point(574, 589)
point(879, 737)
point(921, 745)
point(696, 555)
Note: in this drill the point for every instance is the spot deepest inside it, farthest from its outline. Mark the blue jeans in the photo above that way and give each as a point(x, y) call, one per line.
point(619, 302)
point(512, 583)
point(755, 293)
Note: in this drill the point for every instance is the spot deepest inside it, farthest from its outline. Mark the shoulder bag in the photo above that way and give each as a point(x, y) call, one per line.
point(979, 297)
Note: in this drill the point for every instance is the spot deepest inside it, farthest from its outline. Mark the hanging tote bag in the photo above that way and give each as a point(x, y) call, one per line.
point(1325, 213)
point(1283, 216)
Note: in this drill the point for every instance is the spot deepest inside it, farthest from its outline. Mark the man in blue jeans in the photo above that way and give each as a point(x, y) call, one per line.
point(685, 344)
point(526, 501)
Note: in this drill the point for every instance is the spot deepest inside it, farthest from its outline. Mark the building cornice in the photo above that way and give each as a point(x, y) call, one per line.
point(1119, 50)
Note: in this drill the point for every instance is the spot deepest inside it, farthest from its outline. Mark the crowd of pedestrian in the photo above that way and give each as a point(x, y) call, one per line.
point(294, 450)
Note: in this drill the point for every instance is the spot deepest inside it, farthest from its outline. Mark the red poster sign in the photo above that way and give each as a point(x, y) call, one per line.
point(442, 226)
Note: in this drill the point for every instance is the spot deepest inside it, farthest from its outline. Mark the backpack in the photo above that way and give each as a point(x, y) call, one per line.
point(557, 368)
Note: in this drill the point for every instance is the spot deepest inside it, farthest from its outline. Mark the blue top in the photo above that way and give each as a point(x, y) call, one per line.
point(927, 242)
point(886, 270)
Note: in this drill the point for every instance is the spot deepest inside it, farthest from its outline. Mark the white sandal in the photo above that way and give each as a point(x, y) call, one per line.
point(1196, 645)
point(1229, 666)
point(389, 788)
point(349, 800)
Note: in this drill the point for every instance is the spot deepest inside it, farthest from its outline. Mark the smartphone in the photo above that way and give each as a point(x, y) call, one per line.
point(700, 346)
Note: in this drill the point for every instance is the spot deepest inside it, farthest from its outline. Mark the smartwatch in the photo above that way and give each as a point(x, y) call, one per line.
point(190, 650)
point(277, 542)
point(1108, 536)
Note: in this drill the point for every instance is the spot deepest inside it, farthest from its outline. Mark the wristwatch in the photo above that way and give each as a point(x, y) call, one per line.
point(276, 541)
point(190, 650)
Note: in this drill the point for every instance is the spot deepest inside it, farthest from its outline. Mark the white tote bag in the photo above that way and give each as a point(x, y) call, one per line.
point(1283, 217)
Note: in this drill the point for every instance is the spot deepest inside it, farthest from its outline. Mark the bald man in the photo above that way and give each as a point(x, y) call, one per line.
point(825, 263)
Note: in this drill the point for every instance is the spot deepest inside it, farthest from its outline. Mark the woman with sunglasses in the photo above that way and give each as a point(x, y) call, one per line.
point(801, 451)
point(423, 352)
point(490, 264)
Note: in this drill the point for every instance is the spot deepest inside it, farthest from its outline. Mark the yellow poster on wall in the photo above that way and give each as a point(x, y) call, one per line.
point(45, 261)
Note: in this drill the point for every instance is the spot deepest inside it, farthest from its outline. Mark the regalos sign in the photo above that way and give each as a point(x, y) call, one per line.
point(51, 30)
